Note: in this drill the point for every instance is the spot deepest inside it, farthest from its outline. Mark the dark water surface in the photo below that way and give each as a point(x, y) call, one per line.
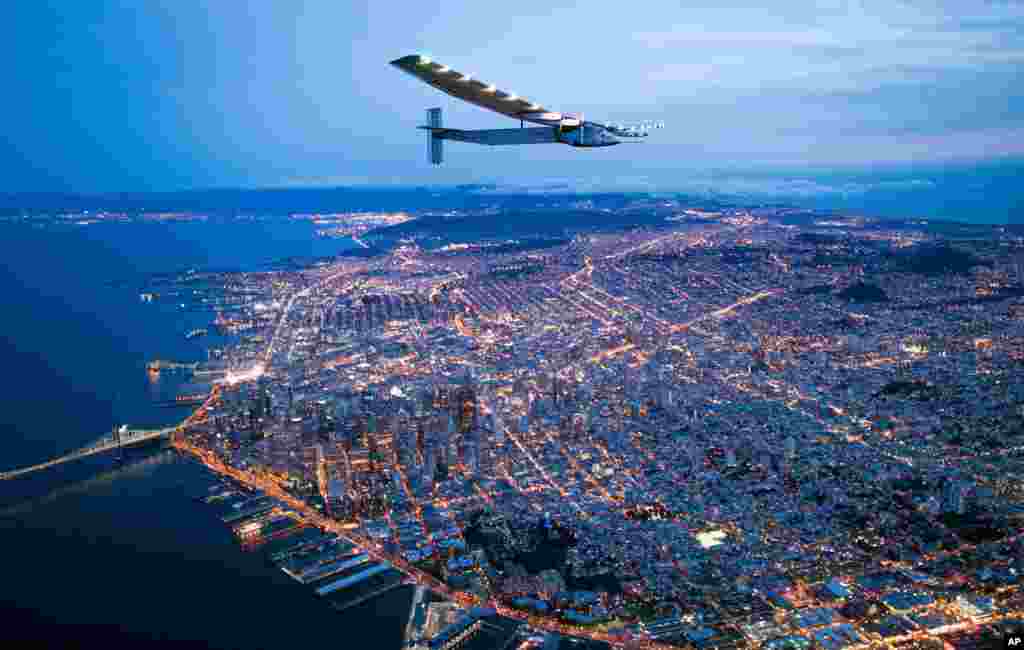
point(107, 554)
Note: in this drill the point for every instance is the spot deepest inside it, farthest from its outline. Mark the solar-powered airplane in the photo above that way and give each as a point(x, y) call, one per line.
point(566, 128)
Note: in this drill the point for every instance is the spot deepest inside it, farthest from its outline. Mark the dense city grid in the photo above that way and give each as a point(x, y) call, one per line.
point(726, 431)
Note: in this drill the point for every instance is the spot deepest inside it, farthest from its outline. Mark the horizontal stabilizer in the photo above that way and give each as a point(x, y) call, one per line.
point(493, 137)
point(435, 146)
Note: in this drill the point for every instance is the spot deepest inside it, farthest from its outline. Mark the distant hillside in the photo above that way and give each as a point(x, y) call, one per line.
point(818, 238)
point(816, 289)
point(513, 224)
point(936, 260)
point(284, 201)
point(863, 292)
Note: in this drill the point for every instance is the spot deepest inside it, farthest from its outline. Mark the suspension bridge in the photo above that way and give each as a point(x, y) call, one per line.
point(116, 439)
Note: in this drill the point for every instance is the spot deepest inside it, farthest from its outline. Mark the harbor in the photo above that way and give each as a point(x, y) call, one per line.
point(346, 576)
point(335, 570)
point(129, 519)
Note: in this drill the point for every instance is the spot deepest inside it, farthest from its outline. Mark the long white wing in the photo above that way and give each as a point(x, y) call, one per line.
point(475, 91)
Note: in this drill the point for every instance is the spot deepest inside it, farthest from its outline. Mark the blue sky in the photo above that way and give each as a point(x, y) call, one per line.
point(183, 94)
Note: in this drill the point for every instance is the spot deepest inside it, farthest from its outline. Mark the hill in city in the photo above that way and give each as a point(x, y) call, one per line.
point(937, 260)
point(863, 292)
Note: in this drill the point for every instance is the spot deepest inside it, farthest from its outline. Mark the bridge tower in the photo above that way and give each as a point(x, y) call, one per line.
point(117, 441)
point(117, 429)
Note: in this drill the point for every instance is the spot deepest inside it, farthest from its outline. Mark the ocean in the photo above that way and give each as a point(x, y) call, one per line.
point(118, 554)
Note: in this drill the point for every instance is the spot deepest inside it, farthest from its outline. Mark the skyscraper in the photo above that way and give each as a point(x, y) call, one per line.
point(464, 407)
point(953, 501)
point(789, 448)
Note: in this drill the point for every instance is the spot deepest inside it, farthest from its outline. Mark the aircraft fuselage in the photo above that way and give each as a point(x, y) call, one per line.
point(586, 135)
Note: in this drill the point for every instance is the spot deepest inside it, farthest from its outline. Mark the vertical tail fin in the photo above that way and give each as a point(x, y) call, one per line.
point(435, 145)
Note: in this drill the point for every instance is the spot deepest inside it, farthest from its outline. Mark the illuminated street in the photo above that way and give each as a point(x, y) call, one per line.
point(725, 437)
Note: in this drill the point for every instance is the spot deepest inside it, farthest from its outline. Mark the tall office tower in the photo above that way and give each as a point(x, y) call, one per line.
point(668, 397)
point(420, 436)
point(441, 396)
point(473, 460)
point(651, 379)
point(536, 407)
point(620, 439)
point(565, 427)
point(696, 452)
point(498, 427)
point(436, 441)
point(789, 448)
point(406, 446)
point(519, 389)
point(424, 402)
point(486, 429)
point(577, 426)
point(487, 457)
point(451, 442)
point(489, 394)
point(953, 496)
point(469, 451)
point(464, 407)
point(344, 433)
point(730, 456)
point(429, 469)
point(584, 393)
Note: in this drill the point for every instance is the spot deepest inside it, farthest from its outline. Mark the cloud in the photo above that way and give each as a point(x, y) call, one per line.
point(831, 49)
point(712, 184)
point(795, 187)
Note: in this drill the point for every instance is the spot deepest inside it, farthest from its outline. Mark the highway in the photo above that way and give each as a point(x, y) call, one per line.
point(106, 443)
